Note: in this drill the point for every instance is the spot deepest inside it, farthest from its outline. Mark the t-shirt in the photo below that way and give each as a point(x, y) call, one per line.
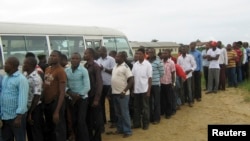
point(52, 78)
point(214, 53)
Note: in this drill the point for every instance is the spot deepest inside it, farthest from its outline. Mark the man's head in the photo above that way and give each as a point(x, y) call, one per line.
point(42, 58)
point(11, 65)
point(112, 53)
point(166, 54)
point(120, 57)
point(151, 53)
point(75, 59)
point(192, 45)
point(89, 54)
point(102, 52)
point(140, 54)
point(29, 64)
point(219, 44)
point(55, 57)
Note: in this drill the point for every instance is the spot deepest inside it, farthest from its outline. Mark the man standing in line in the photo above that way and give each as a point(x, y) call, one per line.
point(205, 63)
point(167, 85)
point(14, 100)
point(142, 71)
point(53, 99)
point(214, 68)
point(223, 61)
point(187, 62)
point(196, 85)
point(154, 100)
point(106, 64)
point(78, 86)
point(94, 112)
point(121, 82)
point(35, 114)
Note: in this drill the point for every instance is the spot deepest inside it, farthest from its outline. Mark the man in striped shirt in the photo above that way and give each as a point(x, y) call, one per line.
point(158, 72)
point(14, 100)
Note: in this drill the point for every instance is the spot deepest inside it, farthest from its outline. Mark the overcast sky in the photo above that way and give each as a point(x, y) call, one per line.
point(180, 21)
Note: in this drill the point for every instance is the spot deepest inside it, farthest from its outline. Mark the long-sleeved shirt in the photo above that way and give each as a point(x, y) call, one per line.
point(14, 97)
point(158, 71)
point(187, 63)
point(78, 81)
point(198, 59)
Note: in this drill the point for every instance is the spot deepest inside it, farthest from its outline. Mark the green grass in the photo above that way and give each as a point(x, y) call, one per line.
point(246, 87)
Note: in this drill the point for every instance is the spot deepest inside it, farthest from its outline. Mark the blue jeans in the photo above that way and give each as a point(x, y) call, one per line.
point(123, 124)
point(239, 74)
point(9, 132)
point(231, 73)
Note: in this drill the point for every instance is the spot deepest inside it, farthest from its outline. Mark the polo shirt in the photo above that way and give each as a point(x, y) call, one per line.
point(142, 72)
point(120, 75)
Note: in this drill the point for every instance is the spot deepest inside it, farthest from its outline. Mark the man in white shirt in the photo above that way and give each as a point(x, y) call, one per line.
point(187, 62)
point(106, 64)
point(214, 68)
point(223, 61)
point(142, 71)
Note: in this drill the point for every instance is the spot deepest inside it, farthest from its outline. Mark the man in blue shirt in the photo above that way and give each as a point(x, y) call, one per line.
point(14, 99)
point(78, 86)
point(197, 72)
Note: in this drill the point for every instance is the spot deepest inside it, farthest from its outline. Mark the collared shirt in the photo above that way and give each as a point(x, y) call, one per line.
point(169, 67)
point(78, 81)
point(14, 97)
point(95, 79)
point(187, 63)
point(205, 62)
point(35, 86)
point(107, 63)
point(223, 56)
point(120, 75)
point(158, 71)
point(142, 72)
point(214, 53)
point(198, 59)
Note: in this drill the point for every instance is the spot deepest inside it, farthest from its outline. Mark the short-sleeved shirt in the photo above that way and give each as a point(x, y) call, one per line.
point(120, 75)
point(213, 53)
point(108, 63)
point(52, 78)
point(141, 72)
point(35, 86)
point(169, 67)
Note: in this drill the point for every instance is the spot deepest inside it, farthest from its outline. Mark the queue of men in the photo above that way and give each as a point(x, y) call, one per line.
point(55, 102)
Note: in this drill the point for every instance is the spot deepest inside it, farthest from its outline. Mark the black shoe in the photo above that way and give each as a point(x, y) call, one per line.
point(208, 92)
point(126, 135)
point(134, 127)
point(190, 105)
point(145, 127)
point(167, 117)
point(156, 122)
point(198, 99)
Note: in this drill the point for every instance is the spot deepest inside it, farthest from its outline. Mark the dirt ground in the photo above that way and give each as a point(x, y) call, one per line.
point(190, 123)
